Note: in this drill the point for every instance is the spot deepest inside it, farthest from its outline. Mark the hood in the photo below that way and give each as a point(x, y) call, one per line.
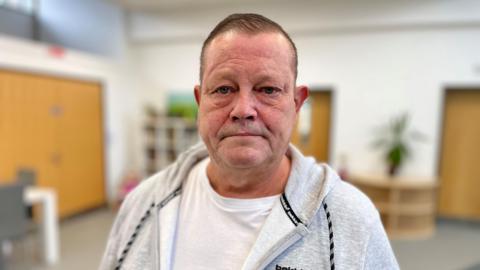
point(308, 184)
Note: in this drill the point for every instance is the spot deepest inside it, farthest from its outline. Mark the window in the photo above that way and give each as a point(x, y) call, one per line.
point(26, 6)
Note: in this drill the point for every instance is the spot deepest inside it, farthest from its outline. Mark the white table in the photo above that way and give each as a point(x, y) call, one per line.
point(47, 197)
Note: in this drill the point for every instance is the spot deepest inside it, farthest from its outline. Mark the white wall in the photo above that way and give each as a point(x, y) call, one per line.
point(93, 26)
point(380, 57)
point(166, 68)
point(194, 22)
point(120, 104)
point(378, 75)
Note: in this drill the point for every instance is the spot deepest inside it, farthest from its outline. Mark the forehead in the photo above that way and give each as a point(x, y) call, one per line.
point(245, 47)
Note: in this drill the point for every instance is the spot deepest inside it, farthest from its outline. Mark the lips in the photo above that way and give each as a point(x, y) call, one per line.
point(238, 132)
point(243, 135)
point(240, 135)
point(242, 130)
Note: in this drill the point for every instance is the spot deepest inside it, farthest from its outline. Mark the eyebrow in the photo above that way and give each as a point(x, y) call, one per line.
point(223, 75)
point(229, 75)
point(263, 78)
point(207, 84)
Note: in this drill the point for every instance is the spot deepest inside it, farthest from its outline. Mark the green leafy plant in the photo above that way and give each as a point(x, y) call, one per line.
point(394, 140)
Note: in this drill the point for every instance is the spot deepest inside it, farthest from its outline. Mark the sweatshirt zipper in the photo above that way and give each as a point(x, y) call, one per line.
point(156, 241)
point(298, 233)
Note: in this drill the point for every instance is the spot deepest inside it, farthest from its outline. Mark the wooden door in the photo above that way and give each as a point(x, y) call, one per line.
point(28, 132)
point(459, 169)
point(315, 142)
point(80, 146)
point(54, 126)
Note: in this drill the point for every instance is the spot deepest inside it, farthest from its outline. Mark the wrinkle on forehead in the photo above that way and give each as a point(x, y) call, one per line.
point(248, 70)
point(222, 49)
point(232, 68)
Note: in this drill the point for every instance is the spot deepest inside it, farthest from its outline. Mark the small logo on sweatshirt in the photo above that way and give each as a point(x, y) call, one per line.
point(278, 267)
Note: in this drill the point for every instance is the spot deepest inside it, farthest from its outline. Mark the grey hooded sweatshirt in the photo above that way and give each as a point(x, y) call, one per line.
point(319, 222)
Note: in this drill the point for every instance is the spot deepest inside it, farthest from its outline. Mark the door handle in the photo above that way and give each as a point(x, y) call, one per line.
point(56, 158)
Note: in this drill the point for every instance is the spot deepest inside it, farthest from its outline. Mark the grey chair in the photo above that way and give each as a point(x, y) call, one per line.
point(27, 177)
point(13, 218)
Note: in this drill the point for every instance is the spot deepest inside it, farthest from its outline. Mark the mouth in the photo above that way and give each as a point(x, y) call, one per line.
point(240, 132)
point(241, 135)
point(244, 134)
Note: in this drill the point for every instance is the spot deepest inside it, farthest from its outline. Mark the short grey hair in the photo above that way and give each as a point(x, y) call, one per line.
point(251, 24)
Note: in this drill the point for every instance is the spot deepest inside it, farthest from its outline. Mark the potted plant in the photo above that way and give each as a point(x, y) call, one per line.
point(394, 140)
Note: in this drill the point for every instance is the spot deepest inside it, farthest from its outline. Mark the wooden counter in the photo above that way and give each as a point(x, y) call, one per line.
point(406, 205)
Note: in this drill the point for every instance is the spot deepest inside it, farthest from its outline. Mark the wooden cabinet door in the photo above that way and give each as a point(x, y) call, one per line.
point(53, 126)
point(316, 142)
point(80, 146)
point(28, 130)
point(459, 169)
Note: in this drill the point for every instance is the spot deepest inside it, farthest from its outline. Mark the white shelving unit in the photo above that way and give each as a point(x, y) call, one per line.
point(166, 138)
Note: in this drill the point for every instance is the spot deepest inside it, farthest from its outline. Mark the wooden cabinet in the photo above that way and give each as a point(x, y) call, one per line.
point(54, 126)
point(407, 206)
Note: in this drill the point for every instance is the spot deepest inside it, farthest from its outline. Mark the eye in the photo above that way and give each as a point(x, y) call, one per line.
point(269, 90)
point(223, 90)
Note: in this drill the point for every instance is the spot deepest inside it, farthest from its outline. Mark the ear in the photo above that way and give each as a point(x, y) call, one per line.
point(301, 94)
point(197, 92)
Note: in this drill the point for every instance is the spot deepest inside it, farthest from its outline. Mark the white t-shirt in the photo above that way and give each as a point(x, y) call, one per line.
point(216, 232)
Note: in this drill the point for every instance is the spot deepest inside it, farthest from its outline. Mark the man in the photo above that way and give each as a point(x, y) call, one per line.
point(245, 198)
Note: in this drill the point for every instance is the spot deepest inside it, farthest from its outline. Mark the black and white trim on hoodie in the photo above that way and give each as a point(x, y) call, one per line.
point(140, 224)
point(295, 220)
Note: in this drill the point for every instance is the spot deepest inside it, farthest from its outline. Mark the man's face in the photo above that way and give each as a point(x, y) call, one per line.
point(248, 101)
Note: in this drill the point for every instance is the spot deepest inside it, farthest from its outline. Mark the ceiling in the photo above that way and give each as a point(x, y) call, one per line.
point(160, 5)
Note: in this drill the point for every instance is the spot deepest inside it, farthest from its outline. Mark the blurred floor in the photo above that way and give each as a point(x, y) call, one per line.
point(455, 246)
point(82, 239)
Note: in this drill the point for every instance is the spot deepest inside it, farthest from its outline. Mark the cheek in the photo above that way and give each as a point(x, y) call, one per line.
point(280, 120)
point(210, 121)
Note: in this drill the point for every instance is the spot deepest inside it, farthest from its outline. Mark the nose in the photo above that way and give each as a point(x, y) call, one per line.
point(244, 107)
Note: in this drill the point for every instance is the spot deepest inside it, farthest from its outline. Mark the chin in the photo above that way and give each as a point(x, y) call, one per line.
point(244, 157)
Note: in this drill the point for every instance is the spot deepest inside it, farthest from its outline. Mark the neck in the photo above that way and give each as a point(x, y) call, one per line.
point(249, 183)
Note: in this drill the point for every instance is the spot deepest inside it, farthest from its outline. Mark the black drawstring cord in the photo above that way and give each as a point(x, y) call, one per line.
point(134, 236)
point(142, 222)
point(330, 235)
point(295, 220)
point(178, 190)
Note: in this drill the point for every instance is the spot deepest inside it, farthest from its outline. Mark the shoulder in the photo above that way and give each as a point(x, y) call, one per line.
point(348, 204)
point(148, 188)
point(131, 211)
point(140, 199)
point(358, 229)
point(160, 185)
